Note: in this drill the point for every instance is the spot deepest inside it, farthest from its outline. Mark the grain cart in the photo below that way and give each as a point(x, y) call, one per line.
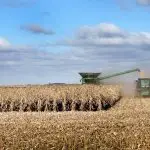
point(142, 84)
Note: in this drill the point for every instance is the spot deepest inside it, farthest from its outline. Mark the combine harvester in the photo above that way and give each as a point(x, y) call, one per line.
point(104, 98)
point(142, 84)
point(91, 95)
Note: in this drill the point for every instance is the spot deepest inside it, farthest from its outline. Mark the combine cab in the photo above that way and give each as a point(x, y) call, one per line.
point(143, 87)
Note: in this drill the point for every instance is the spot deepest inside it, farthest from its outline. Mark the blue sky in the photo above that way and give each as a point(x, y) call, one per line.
point(45, 41)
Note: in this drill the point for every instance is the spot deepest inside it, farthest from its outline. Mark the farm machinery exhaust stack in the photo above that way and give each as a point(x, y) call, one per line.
point(142, 84)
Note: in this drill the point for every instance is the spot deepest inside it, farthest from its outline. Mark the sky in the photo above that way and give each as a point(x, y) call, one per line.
point(47, 41)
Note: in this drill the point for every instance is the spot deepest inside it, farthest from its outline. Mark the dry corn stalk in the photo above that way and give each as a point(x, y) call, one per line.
point(58, 97)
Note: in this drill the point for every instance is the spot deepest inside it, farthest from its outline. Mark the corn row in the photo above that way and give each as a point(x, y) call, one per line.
point(58, 97)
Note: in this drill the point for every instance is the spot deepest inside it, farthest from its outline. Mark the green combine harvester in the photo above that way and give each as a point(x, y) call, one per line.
point(142, 84)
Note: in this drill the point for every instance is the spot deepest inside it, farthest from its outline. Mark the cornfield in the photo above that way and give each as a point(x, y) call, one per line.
point(58, 98)
point(126, 126)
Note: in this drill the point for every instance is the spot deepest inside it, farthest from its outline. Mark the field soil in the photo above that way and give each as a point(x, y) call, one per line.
point(124, 126)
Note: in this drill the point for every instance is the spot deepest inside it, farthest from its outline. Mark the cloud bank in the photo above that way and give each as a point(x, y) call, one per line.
point(99, 48)
point(108, 35)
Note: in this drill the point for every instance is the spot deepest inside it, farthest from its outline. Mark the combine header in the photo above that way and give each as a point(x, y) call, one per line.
point(142, 84)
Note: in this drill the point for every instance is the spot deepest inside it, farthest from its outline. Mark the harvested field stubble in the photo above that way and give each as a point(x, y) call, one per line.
point(126, 126)
point(58, 98)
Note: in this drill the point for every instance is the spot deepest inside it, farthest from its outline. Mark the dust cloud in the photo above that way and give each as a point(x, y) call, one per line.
point(127, 83)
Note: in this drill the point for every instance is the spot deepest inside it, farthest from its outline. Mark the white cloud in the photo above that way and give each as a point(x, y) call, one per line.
point(4, 42)
point(101, 30)
point(130, 4)
point(143, 2)
point(106, 35)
